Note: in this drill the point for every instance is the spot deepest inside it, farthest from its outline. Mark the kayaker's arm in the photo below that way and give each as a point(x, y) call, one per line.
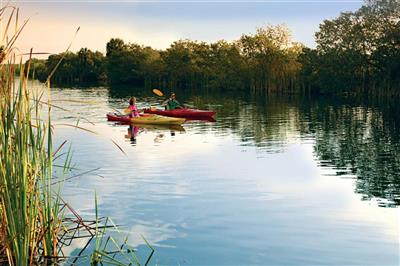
point(179, 105)
point(165, 103)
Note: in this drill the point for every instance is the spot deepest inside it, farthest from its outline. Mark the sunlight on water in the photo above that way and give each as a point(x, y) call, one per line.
point(278, 182)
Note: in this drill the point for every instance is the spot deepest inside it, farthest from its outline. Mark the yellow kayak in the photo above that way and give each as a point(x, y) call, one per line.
point(157, 120)
point(150, 119)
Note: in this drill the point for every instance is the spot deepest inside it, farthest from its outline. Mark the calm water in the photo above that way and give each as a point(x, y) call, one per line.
point(272, 181)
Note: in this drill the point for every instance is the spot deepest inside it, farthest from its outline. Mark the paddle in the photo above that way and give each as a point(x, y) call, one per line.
point(117, 111)
point(158, 92)
point(127, 111)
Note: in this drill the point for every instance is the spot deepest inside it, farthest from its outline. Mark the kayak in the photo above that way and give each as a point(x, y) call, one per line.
point(183, 113)
point(150, 119)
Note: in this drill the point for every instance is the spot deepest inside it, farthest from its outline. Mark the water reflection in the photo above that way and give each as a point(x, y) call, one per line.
point(134, 130)
point(359, 138)
point(273, 181)
point(359, 141)
point(132, 133)
point(164, 231)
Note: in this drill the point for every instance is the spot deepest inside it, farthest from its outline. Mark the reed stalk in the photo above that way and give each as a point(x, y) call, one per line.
point(29, 209)
point(34, 227)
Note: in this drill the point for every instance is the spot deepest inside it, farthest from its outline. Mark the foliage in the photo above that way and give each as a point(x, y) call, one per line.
point(271, 59)
point(191, 64)
point(124, 62)
point(80, 68)
point(264, 61)
point(358, 52)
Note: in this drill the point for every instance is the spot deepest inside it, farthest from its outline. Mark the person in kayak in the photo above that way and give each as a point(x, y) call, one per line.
point(134, 112)
point(171, 103)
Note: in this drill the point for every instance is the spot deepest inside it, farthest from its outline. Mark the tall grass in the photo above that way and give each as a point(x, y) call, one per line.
point(29, 210)
point(34, 227)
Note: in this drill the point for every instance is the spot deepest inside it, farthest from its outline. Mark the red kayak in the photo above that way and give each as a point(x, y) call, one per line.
point(118, 118)
point(183, 113)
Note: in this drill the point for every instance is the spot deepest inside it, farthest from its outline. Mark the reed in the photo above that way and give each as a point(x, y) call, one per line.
point(35, 222)
point(29, 210)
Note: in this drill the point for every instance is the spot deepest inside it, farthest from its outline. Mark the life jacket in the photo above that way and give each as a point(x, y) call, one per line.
point(135, 112)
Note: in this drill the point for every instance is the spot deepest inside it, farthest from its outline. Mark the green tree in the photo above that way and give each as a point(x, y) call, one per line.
point(125, 62)
point(358, 52)
point(271, 59)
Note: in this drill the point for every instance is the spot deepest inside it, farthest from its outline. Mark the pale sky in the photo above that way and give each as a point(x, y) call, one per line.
point(158, 23)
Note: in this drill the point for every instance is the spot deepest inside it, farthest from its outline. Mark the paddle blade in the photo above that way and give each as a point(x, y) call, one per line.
point(158, 92)
point(127, 111)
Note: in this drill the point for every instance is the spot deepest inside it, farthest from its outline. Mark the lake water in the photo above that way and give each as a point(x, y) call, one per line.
point(273, 181)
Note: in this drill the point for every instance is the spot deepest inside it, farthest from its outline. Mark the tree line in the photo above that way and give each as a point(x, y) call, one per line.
point(82, 67)
point(356, 53)
point(265, 60)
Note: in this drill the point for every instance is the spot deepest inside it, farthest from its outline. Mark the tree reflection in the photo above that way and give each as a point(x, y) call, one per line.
point(358, 139)
point(362, 140)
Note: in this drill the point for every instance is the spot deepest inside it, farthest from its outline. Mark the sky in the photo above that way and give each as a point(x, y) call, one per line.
point(52, 24)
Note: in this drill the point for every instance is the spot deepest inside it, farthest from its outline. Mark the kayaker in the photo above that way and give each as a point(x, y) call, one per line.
point(171, 103)
point(132, 107)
